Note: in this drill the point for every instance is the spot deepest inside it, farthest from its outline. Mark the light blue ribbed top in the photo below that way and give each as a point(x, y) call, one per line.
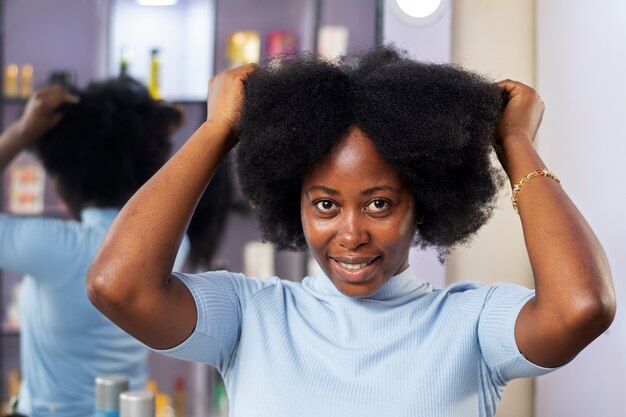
point(290, 349)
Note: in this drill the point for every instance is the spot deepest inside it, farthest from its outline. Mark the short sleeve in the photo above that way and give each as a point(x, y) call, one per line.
point(34, 245)
point(221, 299)
point(182, 255)
point(496, 334)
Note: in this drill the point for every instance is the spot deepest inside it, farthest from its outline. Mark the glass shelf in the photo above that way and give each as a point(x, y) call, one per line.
point(13, 100)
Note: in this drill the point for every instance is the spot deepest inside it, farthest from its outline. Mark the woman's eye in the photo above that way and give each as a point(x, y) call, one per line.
point(325, 206)
point(377, 205)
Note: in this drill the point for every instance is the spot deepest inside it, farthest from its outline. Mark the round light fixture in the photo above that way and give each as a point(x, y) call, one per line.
point(419, 8)
point(156, 2)
point(419, 12)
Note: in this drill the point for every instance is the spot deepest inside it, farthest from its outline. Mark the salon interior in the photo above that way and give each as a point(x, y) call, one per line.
point(570, 51)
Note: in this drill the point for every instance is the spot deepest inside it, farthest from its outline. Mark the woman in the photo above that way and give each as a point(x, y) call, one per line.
point(357, 161)
point(98, 146)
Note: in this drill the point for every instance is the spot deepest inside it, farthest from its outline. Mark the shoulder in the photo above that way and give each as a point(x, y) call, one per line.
point(230, 285)
point(38, 231)
point(40, 222)
point(38, 245)
point(474, 299)
point(465, 290)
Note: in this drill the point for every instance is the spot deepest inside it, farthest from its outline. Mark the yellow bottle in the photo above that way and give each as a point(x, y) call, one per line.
point(153, 83)
point(11, 86)
point(152, 386)
point(26, 80)
point(162, 401)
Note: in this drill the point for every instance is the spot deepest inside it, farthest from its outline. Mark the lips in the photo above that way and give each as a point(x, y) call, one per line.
point(354, 269)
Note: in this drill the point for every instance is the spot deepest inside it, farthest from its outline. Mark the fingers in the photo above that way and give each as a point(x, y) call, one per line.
point(52, 97)
point(523, 112)
point(70, 98)
point(240, 73)
point(516, 88)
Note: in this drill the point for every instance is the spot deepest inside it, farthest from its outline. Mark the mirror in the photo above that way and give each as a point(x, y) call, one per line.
point(79, 41)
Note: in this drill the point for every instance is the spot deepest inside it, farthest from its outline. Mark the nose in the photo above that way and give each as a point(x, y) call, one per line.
point(352, 231)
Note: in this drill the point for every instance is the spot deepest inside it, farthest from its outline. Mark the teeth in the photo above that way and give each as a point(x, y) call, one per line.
point(353, 267)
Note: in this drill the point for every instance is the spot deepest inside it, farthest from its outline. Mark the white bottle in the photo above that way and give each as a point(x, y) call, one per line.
point(137, 404)
point(108, 390)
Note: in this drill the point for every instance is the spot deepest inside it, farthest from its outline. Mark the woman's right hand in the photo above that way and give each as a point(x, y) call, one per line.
point(41, 113)
point(226, 91)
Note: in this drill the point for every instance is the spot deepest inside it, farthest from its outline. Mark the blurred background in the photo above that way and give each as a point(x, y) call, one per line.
point(572, 51)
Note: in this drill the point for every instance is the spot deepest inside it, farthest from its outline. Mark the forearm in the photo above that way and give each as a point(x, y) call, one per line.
point(574, 291)
point(560, 243)
point(146, 234)
point(10, 145)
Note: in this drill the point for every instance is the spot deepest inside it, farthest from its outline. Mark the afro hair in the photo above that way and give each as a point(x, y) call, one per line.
point(434, 123)
point(107, 145)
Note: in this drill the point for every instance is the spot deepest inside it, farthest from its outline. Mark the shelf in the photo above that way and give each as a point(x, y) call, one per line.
point(13, 100)
point(187, 102)
point(12, 333)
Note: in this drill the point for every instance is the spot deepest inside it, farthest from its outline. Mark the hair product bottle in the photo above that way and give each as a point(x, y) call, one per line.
point(137, 404)
point(155, 68)
point(26, 80)
point(11, 86)
point(108, 390)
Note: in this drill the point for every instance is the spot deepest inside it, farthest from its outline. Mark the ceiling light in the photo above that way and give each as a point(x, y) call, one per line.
point(419, 8)
point(156, 2)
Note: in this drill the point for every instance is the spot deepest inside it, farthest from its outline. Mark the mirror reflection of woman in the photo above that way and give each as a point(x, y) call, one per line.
point(98, 146)
point(356, 161)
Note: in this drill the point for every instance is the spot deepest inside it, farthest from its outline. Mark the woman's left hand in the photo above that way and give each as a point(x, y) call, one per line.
point(523, 113)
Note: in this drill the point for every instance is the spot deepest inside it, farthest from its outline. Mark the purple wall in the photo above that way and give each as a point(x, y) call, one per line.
point(358, 15)
point(53, 34)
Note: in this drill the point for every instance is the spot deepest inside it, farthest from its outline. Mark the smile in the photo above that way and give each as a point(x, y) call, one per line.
point(353, 267)
point(354, 270)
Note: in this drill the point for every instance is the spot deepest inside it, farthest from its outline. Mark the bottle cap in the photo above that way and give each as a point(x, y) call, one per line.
point(108, 390)
point(137, 404)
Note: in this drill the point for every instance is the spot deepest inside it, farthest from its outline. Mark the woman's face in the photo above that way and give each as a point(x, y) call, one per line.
point(358, 216)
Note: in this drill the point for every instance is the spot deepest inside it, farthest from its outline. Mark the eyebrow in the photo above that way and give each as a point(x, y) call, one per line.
point(366, 192)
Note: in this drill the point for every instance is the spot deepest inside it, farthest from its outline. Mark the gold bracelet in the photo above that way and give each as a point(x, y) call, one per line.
point(518, 185)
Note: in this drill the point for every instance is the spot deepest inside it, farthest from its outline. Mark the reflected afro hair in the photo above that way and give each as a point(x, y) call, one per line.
point(434, 123)
point(108, 144)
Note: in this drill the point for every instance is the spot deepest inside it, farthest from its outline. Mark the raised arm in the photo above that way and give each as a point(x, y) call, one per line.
point(574, 301)
point(40, 115)
point(130, 278)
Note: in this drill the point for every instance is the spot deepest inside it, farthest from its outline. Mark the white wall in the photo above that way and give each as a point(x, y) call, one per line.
point(495, 37)
point(581, 64)
point(184, 35)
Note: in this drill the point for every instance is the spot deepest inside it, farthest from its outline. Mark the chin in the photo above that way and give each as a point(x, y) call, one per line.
point(356, 291)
